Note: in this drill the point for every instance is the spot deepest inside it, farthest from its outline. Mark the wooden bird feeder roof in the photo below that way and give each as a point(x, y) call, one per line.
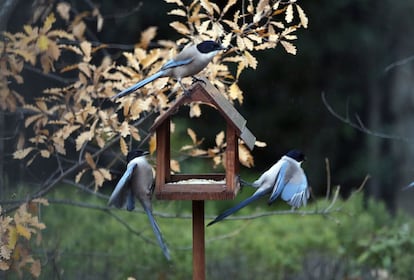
point(215, 186)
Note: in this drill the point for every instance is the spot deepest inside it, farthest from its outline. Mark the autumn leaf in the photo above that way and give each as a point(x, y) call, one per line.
point(89, 160)
point(289, 14)
point(180, 27)
point(21, 154)
point(36, 268)
point(152, 144)
point(302, 16)
point(23, 231)
point(123, 146)
point(192, 135)
point(236, 93)
point(245, 156)
point(175, 165)
point(220, 139)
point(147, 36)
point(289, 47)
point(63, 8)
point(84, 137)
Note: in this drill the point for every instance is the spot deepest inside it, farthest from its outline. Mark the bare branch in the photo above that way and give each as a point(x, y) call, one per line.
point(399, 63)
point(358, 125)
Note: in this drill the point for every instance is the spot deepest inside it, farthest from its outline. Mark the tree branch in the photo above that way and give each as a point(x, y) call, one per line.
point(358, 125)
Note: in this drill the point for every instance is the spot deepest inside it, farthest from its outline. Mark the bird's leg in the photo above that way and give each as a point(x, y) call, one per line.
point(245, 183)
point(186, 91)
point(195, 79)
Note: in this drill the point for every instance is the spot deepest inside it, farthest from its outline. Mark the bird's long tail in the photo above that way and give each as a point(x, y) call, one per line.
point(139, 85)
point(236, 208)
point(157, 233)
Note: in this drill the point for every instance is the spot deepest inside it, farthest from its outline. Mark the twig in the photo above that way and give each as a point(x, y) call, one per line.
point(399, 63)
point(360, 126)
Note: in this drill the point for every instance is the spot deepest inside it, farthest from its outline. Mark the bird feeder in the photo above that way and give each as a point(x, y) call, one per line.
point(200, 187)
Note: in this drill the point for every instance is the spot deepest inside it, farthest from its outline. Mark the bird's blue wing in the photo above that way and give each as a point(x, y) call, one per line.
point(296, 192)
point(157, 233)
point(279, 184)
point(119, 194)
point(239, 206)
point(175, 63)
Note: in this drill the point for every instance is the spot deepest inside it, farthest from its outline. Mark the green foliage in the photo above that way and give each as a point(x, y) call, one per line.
point(81, 243)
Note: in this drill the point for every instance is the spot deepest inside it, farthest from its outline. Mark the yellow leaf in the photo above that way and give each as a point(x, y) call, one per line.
point(177, 12)
point(36, 268)
point(233, 25)
point(63, 8)
point(227, 40)
point(79, 29)
point(89, 160)
point(217, 160)
point(42, 43)
point(195, 110)
point(245, 157)
point(82, 138)
point(84, 67)
point(289, 14)
point(251, 60)
point(23, 231)
point(248, 43)
point(180, 27)
point(220, 139)
point(152, 144)
point(289, 47)
point(134, 133)
point(174, 165)
point(86, 48)
point(240, 43)
point(207, 6)
point(150, 58)
point(147, 35)
point(45, 153)
point(48, 23)
point(192, 135)
point(105, 173)
point(123, 146)
point(302, 16)
point(240, 67)
point(236, 93)
point(21, 154)
point(124, 129)
point(13, 236)
point(178, 2)
point(228, 6)
point(260, 144)
point(79, 175)
point(99, 178)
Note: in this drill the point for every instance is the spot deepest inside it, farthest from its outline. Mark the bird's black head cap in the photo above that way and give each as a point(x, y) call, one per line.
point(135, 153)
point(209, 46)
point(296, 155)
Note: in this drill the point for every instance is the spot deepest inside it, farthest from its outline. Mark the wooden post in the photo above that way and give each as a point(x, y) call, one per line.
point(199, 262)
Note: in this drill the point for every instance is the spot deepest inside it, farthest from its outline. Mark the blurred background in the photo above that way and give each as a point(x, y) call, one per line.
point(358, 56)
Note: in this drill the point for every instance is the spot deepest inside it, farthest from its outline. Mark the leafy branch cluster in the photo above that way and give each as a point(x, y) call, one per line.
point(72, 116)
point(16, 232)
